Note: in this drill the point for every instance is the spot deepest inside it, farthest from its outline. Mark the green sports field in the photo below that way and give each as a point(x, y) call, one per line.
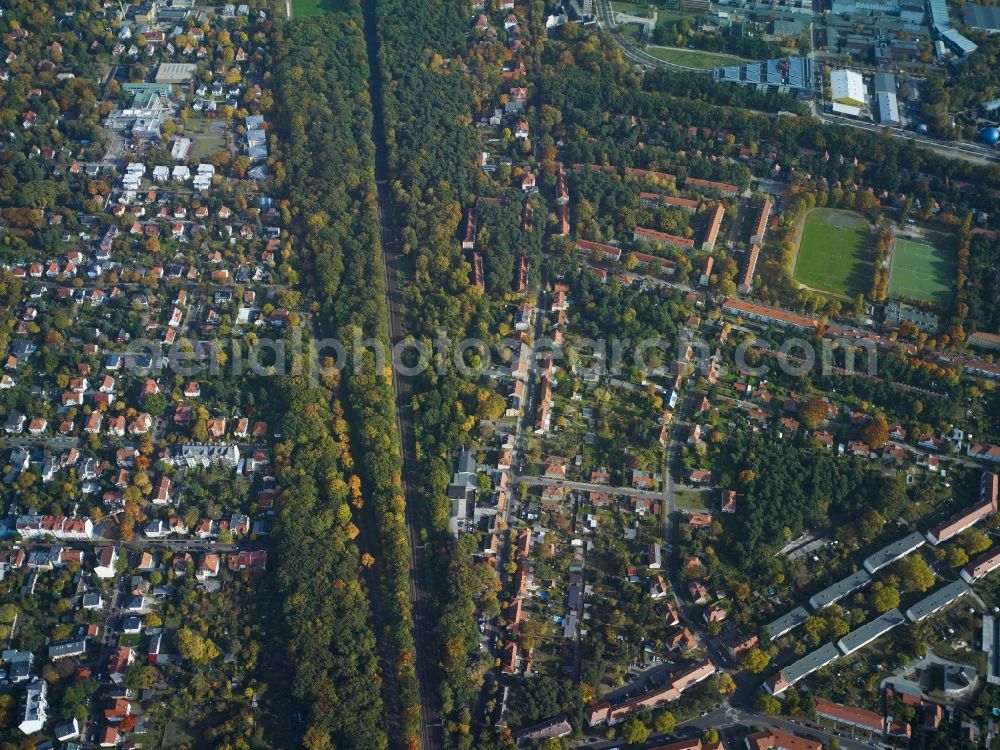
point(835, 253)
point(921, 271)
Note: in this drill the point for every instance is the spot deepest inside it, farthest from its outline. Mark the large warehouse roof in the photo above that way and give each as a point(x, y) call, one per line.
point(847, 87)
point(981, 17)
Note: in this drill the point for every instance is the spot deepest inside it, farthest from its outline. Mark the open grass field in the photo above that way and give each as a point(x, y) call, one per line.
point(692, 58)
point(306, 8)
point(633, 9)
point(663, 15)
point(835, 253)
point(692, 500)
point(206, 146)
point(921, 271)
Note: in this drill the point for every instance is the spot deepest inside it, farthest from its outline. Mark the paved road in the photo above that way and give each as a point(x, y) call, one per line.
point(968, 151)
point(606, 19)
point(55, 443)
point(586, 486)
point(143, 543)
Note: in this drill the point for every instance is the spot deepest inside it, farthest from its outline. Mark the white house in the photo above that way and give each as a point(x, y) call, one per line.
point(35, 707)
point(107, 557)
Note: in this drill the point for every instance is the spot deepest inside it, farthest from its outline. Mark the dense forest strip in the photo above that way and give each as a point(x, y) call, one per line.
point(423, 624)
point(429, 103)
point(325, 169)
point(335, 677)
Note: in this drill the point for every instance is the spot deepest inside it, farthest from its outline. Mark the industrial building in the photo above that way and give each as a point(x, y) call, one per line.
point(884, 83)
point(887, 108)
point(853, 7)
point(982, 17)
point(788, 75)
point(941, 25)
point(847, 87)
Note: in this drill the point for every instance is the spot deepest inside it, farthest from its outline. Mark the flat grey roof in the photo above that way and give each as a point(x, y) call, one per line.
point(884, 82)
point(888, 107)
point(870, 631)
point(786, 622)
point(938, 600)
point(840, 589)
point(889, 554)
point(810, 663)
point(981, 16)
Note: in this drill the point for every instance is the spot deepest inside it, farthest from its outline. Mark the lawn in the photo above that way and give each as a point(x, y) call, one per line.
point(691, 500)
point(304, 8)
point(663, 15)
point(206, 145)
point(633, 9)
point(921, 271)
point(835, 253)
point(692, 58)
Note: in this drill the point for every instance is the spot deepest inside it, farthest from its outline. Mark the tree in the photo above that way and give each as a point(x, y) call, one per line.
point(724, 684)
point(870, 525)
point(974, 541)
point(914, 573)
point(316, 739)
point(768, 704)
point(885, 598)
point(194, 647)
point(859, 306)
point(957, 557)
point(876, 432)
point(755, 660)
point(664, 722)
point(815, 628)
point(634, 732)
point(813, 412)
